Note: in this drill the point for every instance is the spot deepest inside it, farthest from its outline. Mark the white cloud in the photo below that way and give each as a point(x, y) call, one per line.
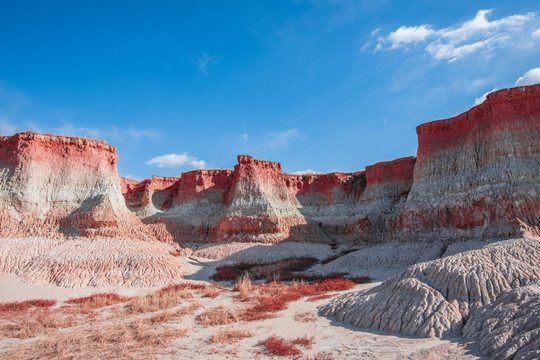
point(282, 138)
point(531, 77)
point(482, 98)
point(406, 35)
point(244, 136)
point(455, 42)
point(139, 134)
point(197, 164)
point(304, 172)
point(176, 160)
point(536, 34)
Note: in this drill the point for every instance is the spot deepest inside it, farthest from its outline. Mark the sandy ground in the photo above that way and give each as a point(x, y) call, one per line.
point(332, 338)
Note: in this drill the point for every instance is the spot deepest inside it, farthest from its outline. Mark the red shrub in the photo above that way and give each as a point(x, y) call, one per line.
point(279, 347)
point(182, 286)
point(303, 341)
point(24, 305)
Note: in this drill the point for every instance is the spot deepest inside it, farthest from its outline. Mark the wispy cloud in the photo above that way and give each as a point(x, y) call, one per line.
point(204, 62)
point(458, 41)
point(111, 132)
point(176, 160)
point(245, 136)
point(482, 98)
point(531, 77)
point(304, 172)
point(282, 138)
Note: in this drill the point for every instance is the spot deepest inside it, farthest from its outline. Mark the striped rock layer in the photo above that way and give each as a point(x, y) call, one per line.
point(474, 176)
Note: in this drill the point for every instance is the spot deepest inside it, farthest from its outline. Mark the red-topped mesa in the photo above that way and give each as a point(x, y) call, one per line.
point(474, 175)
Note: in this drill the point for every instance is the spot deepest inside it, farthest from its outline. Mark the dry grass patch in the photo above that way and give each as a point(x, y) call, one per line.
point(244, 286)
point(97, 301)
point(38, 323)
point(218, 316)
point(228, 336)
point(25, 305)
point(126, 340)
point(274, 297)
point(308, 316)
point(321, 297)
point(164, 298)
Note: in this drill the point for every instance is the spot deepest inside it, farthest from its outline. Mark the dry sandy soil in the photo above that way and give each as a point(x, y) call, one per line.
point(171, 323)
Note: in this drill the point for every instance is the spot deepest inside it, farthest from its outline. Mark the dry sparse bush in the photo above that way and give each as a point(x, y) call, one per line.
point(100, 300)
point(244, 286)
point(212, 291)
point(228, 336)
point(164, 298)
point(38, 323)
point(277, 346)
point(303, 341)
point(126, 340)
point(218, 316)
point(275, 296)
point(308, 316)
point(25, 305)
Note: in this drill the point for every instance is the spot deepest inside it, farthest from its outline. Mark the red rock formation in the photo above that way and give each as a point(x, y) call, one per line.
point(56, 185)
point(477, 173)
point(474, 175)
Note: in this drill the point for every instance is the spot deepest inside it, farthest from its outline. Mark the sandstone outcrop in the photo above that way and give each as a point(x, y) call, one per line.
point(435, 298)
point(509, 328)
point(257, 202)
point(477, 173)
point(474, 176)
point(57, 185)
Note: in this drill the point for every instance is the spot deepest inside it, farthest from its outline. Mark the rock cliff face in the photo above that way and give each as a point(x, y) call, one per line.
point(61, 185)
point(474, 176)
point(477, 173)
point(258, 202)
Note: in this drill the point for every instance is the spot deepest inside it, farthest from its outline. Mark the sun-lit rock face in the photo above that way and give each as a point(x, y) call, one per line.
point(477, 172)
point(258, 202)
point(56, 185)
point(474, 176)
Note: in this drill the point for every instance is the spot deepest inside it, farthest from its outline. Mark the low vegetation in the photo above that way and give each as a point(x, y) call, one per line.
point(306, 316)
point(228, 336)
point(277, 346)
point(282, 270)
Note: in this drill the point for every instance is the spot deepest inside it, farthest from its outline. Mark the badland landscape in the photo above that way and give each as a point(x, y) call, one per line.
point(429, 256)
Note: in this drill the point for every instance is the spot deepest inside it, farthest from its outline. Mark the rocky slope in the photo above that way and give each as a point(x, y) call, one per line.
point(435, 298)
point(509, 328)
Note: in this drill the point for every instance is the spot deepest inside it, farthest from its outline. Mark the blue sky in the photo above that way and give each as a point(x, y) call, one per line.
point(319, 85)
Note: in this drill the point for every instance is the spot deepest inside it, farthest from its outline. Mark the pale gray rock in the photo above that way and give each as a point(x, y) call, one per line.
point(435, 298)
point(509, 328)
